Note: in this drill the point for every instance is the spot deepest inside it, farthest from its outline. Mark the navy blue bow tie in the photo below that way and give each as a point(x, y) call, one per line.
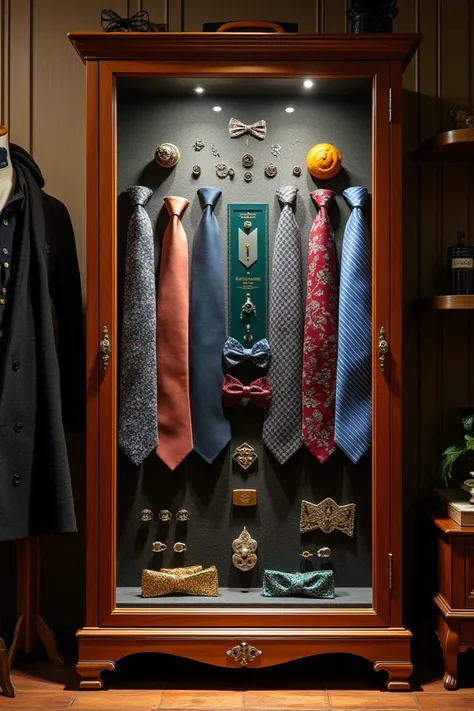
point(234, 353)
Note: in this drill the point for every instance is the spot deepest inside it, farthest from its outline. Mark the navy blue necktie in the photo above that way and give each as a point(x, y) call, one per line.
point(353, 428)
point(211, 428)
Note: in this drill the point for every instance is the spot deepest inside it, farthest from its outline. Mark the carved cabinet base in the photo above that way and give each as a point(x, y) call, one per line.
point(387, 649)
point(454, 599)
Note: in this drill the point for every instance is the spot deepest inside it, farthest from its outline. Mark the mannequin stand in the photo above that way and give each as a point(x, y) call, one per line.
point(30, 626)
point(5, 681)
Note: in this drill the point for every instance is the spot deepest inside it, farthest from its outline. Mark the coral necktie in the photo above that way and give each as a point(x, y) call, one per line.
point(138, 428)
point(353, 430)
point(320, 334)
point(211, 428)
point(282, 427)
point(174, 412)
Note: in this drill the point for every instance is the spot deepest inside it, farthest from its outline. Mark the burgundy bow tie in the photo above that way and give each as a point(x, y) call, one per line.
point(259, 392)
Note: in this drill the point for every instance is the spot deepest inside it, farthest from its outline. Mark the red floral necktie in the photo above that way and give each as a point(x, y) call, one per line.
point(320, 334)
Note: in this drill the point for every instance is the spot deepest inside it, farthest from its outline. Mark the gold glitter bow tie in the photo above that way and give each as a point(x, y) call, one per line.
point(179, 580)
point(328, 516)
point(257, 129)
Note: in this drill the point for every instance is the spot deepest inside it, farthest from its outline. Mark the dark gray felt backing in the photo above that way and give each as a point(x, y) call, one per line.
point(146, 117)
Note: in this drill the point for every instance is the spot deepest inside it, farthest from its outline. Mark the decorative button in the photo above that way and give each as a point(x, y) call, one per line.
point(16, 479)
point(297, 171)
point(247, 176)
point(247, 160)
point(6, 265)
point(17, 427)
point(270, 170)
point(16, 365)
point(5, 250)
point(146, 515)
point(3, 302)
point(196, 171)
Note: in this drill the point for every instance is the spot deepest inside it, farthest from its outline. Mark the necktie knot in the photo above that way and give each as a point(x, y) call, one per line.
point(355, 197)
point(287, 194)
point(175, 204)
point(323, 197)
point(209, 196)
point(139, 195)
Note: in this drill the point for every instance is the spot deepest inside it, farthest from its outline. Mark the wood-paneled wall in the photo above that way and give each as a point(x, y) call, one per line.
point(42, 102)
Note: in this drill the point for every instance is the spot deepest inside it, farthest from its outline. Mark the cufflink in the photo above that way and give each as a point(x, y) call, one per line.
point(146, 515)
point(165, 515)
point(159, 547)
point(179, 547)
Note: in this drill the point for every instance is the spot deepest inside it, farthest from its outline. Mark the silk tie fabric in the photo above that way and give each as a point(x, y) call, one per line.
point(314, 583)
point(353, 430)
point(259, 392)
point(138, 423)
point(282, 427)
point(320, 334)
point(235, 353)
point(211, 428)
point(174, 410)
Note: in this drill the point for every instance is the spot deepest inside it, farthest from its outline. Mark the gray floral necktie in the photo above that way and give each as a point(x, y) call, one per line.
point(138, 413)
point(282, 428)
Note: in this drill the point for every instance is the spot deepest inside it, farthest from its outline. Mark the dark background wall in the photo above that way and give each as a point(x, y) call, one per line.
point(42, 101)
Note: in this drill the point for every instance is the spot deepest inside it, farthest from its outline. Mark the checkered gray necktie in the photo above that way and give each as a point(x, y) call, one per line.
point(282, 428)
point(138, 417)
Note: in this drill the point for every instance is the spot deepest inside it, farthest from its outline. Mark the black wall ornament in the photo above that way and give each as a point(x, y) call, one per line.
point(370, 16)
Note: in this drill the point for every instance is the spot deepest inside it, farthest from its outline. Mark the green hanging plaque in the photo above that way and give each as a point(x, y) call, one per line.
point(248, 272)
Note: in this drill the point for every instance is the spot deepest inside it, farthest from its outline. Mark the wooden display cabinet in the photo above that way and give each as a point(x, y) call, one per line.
point(281, 632)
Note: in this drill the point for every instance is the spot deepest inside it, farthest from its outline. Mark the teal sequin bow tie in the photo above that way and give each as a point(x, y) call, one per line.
point(315, 583)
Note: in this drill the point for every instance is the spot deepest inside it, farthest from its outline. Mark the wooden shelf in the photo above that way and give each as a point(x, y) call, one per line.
point(449, 147)
point(464, 302)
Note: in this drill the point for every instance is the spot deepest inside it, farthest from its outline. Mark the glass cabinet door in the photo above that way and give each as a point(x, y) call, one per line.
point(190, 516)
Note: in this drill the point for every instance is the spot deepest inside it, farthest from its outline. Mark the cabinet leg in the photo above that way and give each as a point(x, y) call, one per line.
point(448, 635)
point(398, 674)
point(90, 673)
point(5, 680)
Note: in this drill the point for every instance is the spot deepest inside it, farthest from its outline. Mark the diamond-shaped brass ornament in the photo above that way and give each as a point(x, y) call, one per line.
point(327, 516)
point(244, 653)
point(245, 455)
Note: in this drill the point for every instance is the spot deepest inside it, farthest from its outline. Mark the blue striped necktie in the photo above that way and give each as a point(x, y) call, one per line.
point(353, 428)
point(207, 333)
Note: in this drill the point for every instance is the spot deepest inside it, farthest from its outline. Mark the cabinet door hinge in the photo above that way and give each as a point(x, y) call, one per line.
point(390, 105)
point(390, 571)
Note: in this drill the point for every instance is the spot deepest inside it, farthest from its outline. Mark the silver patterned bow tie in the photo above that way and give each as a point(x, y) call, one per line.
point(257, 129)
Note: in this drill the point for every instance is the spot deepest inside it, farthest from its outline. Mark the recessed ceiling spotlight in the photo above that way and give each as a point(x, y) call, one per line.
point(308, 84)
point(217, 108)
point(199, 90)
point(289, 109)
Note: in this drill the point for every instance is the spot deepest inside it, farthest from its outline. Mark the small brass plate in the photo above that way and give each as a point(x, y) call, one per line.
point(244, 497)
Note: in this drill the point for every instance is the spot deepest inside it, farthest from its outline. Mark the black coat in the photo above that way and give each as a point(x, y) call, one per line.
point(42, 386)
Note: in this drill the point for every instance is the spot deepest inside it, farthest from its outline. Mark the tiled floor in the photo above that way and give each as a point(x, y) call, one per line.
point(149, 683)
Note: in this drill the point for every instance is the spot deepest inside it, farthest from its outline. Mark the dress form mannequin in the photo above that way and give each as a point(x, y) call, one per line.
point(7, 175)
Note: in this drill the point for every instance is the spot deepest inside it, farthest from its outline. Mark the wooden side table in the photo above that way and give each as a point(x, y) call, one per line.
point(455, 592)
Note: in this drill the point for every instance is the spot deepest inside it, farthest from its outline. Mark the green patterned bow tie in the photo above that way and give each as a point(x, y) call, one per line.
point(315, 583)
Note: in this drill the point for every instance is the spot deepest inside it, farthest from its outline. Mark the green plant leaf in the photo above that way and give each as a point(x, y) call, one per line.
point(467, 423)
point(449, 456)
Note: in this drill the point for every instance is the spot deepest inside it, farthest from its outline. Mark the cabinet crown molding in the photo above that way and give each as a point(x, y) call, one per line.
point(260, 46)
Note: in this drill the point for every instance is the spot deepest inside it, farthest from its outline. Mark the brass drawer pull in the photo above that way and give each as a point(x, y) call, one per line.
point(382, 349)
point(105, 348)
point(244, 653)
